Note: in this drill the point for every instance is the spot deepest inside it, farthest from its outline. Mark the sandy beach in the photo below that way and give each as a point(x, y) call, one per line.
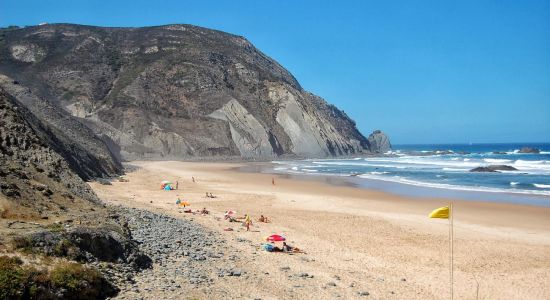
point(356, 241)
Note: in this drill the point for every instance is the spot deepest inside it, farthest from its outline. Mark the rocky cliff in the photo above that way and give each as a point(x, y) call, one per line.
point(175, 91)
point(35, 180)
point(87, 155)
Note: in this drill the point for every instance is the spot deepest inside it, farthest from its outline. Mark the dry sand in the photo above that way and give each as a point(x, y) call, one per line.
point(361, 240)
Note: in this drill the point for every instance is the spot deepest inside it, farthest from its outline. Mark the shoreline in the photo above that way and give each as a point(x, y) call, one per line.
point(416, 191)
point(368, 239)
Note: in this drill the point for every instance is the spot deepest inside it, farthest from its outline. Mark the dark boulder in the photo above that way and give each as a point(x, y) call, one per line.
point(86, 244)
point(104, 181)
point(109, 245)
point(493, 168)
point(529, 150)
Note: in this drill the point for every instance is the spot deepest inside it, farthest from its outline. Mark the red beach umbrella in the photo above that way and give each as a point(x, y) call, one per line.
point(275, 238)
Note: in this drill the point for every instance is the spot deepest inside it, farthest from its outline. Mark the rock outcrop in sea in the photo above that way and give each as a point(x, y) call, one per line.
point(493, 168)
point(529, 150)
point(170, 92)
point(379, 142)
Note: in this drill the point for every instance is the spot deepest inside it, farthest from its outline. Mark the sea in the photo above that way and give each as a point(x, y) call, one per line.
point(443, 171)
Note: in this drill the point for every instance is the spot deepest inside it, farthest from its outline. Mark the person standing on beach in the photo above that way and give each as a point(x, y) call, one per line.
point(273, 180)
point(177, 184)
point(192, 177)
point(247, 222)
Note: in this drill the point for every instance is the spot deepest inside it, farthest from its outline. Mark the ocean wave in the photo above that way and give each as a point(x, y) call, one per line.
point(532, 165)
point(406, 169)
point(378, 173)
point(497, 161)
point(280, 168)
point(428, 162)
point(454, 169)
point(398, 179)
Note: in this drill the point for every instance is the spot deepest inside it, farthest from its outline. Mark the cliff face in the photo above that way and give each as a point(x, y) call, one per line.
point(87, 155)
point(175, 91)
point(34, 177)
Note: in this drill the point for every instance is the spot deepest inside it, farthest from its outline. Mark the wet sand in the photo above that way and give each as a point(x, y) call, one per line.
point(358, 239)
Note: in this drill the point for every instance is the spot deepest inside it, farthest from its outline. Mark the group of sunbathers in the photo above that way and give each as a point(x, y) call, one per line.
point(263, 219)
point(203, 211)
point(210, 196)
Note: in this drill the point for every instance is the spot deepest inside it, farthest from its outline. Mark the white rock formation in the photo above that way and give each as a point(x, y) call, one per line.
point(247, 133)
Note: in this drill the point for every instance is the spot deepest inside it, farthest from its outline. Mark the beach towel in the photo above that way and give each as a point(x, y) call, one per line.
point(268, 247)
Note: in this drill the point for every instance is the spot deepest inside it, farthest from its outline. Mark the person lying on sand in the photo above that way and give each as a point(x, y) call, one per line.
point(212, 196)
point(229, 217)
point(204, 211)
point(289, 249)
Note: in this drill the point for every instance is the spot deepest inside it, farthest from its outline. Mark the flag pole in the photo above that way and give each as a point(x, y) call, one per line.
point(451, 238)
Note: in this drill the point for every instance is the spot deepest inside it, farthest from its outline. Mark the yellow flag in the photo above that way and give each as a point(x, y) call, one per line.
point(440, 213)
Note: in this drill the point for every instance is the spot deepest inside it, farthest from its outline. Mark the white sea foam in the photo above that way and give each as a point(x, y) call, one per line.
point(454, 169)
point(513, 183)
point(280, 168)
point(497, 161)
point(542, 186)
point(402, 180)
point(378, 173)
point(533, 166)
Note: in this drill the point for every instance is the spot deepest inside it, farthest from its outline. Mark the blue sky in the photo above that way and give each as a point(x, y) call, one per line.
point(422, 71)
